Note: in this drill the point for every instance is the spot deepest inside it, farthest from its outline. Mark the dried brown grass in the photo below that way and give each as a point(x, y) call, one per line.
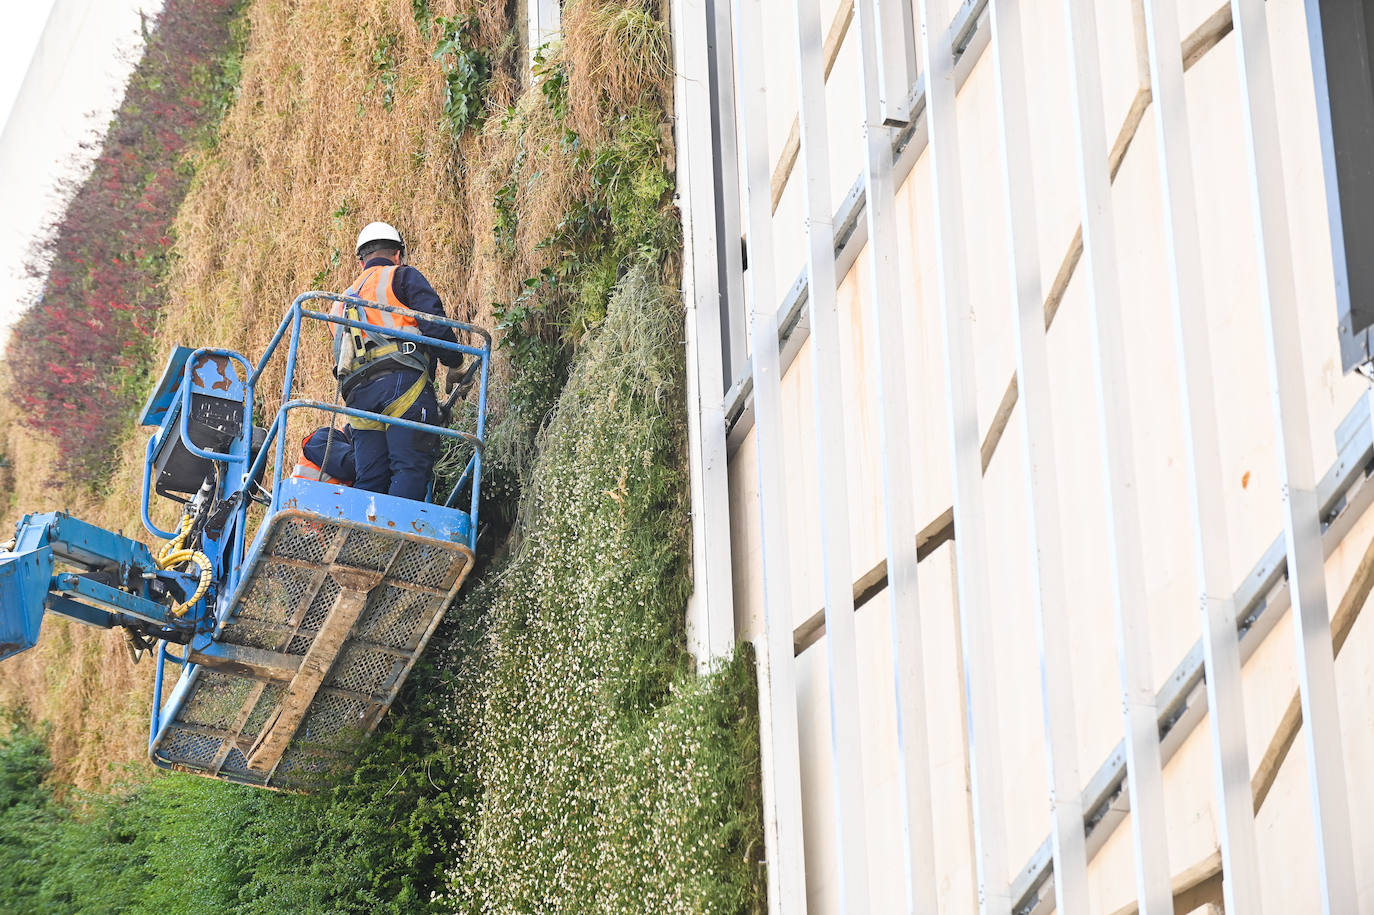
point(306, 155)
point(620, 58)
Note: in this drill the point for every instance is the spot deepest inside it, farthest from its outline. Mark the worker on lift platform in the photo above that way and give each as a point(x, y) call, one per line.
point(327, 456)
point(380, 374)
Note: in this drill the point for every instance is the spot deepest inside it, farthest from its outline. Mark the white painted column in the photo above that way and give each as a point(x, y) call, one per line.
point(1042, 482)
point(710, 611)
point(827, 386)
point(1220, 640)
point(1288, 381)
point(888, 359)
point(970, 519)
point(1144, 768)
point(782, 791)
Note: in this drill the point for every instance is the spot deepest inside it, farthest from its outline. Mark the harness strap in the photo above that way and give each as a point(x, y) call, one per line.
point(395, 409)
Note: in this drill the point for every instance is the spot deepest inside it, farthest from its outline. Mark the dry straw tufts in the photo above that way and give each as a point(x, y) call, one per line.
point(338, 122)
point(620, 57)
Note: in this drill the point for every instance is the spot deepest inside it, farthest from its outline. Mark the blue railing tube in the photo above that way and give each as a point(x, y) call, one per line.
point(382, 418)
point(291, 351)
point(477, 352)
point(482, 436)
point(184, 425)
point(157, 692)
point(147, 485)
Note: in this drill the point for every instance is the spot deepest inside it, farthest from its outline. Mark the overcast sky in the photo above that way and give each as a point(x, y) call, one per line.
point(62, 75)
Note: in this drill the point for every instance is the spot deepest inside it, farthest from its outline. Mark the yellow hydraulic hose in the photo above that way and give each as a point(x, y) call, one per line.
point(173, 555)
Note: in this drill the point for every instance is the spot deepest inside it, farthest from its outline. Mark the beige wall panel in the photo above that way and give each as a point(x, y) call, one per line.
point(789, 236)
point(1021, 710)
point(1231, 272)
point(1191, 823)
point(1097, 684)
point(817, 774)
point(1283, 829)
point(1161, 463)
point(1230, 279)
point(985, 228)
point(780, 58)
point(882, 789)
point(948, 763)
point(844, 115)
point(1355, 696)
point(746, 541)
point(863, 452)
point(1051, 119)
point(802, 488)
point(925, 364)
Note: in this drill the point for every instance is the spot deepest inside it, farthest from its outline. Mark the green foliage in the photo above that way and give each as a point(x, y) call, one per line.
point(612, 778)
point(466, 72)
point(419, 10)
point(384, 63)
point(27, 814)
point(552, 76)
point(380, 842)
point(507, 219)
point(627, 218)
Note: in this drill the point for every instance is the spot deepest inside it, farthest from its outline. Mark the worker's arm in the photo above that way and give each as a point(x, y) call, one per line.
point(415, 293)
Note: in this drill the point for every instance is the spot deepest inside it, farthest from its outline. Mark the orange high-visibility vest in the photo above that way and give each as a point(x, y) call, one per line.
point(309, 470)
point(356, 351)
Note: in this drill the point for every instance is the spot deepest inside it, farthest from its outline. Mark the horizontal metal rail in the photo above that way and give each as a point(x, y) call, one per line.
point(299, 303)
point(1345, 492)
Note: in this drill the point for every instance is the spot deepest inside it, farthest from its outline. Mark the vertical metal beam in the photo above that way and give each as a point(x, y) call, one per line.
point(1220, 641)
point(1144, 768)
point(1302, 523)
point(975, 616)
point(894, 52)
point(888, 357)
point(710, 612)
point(1046, 533)
point(832, 474)
point(725, 160)
point(782, 778)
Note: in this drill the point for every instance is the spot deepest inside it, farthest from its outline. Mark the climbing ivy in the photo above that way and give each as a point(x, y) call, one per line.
point(466, 71)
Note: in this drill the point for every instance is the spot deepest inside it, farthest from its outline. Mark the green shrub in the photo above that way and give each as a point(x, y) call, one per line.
point(466, 71)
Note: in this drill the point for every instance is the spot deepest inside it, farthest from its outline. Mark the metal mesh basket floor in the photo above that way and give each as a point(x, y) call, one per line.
point(328, 621)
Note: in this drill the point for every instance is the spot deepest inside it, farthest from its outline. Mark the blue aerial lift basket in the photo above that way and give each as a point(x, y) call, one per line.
point(291, 647)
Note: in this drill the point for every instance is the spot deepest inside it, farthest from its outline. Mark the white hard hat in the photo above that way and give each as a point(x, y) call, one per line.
point(378, 231)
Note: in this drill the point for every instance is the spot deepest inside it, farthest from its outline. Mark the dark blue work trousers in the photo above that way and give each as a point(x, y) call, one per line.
point(396, 460)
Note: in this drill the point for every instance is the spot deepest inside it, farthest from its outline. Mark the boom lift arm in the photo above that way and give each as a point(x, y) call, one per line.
point(295, 635)
point(111, 581)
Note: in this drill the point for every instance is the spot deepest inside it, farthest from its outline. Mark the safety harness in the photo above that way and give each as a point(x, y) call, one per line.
point(361, 352)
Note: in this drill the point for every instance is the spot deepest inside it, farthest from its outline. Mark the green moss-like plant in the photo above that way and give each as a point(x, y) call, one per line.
point(612, 778)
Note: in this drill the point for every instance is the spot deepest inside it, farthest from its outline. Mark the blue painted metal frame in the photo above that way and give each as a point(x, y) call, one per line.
point(231, 547)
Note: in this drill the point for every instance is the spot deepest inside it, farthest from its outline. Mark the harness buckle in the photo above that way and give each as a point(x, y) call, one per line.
point(407, 347)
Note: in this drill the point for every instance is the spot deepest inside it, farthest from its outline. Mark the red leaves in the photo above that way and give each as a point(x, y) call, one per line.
point(80, 354)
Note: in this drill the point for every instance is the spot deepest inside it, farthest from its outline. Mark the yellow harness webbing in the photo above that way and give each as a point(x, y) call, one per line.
point(394, 409)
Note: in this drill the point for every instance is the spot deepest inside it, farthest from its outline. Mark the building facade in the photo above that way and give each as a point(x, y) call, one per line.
point(1029, 446)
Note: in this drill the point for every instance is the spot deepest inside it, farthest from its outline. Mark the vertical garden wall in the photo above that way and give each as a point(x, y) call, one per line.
point(556, 751)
